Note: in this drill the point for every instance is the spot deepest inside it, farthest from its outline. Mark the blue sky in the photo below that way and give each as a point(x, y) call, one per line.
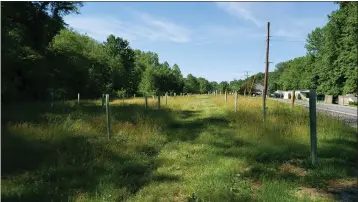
point(215, 40)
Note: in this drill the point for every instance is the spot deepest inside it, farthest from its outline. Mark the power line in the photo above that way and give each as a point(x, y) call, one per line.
point(274, 57)
point(272, 53)
point(288, 41)
point(282, 37)
point(247, 74)
point(273, 41)
point(262, 53)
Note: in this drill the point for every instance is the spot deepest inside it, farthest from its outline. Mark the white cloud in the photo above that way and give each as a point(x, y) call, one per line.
point(288, 33)
point(283, 24)
point(98, 28)
point(167, 29)
point(220, 34)
point(240, 10)
point(296, 28)
point(146, 27)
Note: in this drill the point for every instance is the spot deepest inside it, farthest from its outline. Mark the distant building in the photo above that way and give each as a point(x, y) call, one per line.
point(302, 94)
point(345, 100)
point(352, 98)
point(257, 89)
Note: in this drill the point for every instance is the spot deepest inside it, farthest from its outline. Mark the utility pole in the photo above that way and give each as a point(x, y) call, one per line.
point(247, 76)
point(266, 71)
point(252, 85)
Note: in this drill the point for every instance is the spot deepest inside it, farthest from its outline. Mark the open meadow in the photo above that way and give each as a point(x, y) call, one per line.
point(195, 148)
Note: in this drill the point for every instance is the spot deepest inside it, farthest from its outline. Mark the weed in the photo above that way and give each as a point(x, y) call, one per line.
point(195, 148)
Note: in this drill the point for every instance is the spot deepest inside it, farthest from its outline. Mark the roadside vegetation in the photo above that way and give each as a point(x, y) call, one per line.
point(194, 149)
point(353, 104)
point(42, 54)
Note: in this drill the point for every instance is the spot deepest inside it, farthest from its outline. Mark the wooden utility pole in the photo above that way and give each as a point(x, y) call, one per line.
point(247, 76)
point(266, 72)
point(253, 81)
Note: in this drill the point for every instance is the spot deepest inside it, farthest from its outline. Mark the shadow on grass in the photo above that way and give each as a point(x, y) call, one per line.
point(59, 168)
point(27, 112)
point(20, 154)
point(221, 197)
point(36, 112)
point(347, 193)
point(190, 130)
point(279, 157)
point(56, 170)
point(187, 114)
point(183, 122)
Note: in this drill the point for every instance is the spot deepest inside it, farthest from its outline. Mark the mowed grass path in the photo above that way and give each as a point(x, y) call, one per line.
point(194, 149)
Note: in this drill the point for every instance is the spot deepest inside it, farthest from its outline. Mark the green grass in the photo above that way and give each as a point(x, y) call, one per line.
point(353, 104)
point(194, 149)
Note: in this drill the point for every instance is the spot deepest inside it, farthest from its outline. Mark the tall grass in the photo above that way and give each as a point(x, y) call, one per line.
point(195, 148)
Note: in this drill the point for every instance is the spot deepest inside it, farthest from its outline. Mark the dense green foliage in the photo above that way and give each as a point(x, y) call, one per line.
point(42, 55)
point(331, 61)
point(29, 67)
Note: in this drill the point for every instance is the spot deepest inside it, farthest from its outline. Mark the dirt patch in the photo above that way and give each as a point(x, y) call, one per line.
point(343, 190)
point(286, 167)
point(313, 193)
point(247, 169)
point(341, 184)
point(256, 185)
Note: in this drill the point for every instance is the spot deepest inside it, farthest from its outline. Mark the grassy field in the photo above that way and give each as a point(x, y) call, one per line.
point(194, 149)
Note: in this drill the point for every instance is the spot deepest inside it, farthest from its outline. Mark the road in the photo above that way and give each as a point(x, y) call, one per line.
point(348, 114)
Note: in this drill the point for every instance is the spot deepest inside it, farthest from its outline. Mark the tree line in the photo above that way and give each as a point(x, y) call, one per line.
point(41, 54)
point(331, 62)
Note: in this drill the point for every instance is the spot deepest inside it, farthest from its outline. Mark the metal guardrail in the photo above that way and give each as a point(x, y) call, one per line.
point(319, 108)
